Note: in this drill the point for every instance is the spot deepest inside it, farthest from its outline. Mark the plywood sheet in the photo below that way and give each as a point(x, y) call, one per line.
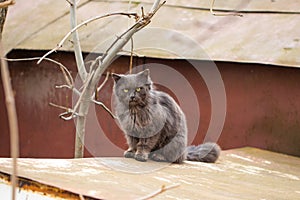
point(246, 173)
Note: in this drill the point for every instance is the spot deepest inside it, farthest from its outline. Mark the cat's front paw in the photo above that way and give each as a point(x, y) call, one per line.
point(129, 154)
point(141, 157)
point(158, 157)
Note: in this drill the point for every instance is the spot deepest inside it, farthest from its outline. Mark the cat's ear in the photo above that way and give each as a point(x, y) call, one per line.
point(145, 73)
point(144, 76)
point(116, 77)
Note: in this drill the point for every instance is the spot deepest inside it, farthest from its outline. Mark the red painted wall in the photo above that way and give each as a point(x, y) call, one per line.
point(262, 106)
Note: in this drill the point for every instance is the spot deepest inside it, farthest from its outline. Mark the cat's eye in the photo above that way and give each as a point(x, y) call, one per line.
point(138, 89)
point(125, 90)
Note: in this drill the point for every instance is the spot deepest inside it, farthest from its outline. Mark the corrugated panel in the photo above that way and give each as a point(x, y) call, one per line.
point(181, 29)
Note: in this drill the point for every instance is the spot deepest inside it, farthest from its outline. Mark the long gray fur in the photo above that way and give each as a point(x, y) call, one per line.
point(153, 123)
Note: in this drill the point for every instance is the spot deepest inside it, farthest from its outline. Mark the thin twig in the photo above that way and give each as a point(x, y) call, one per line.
point(103, 83)
point(69, 112)
point(7, 3)
point(143, 12)
point(68, 87)
point(131, 55)
point(134, 53)
point(161, 190)
point(222, 13)
point(94, 62)
point(64, 69)
point(61, 107)
point(105, 108)
point(69, 2)
point(84, 24)
point(12, 120)
point(74, 114)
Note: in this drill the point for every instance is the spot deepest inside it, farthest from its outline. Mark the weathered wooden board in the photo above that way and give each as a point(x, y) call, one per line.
point(266, 34)
point(246, 173)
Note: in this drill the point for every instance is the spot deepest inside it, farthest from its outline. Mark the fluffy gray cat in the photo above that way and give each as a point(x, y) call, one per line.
point(154, 125)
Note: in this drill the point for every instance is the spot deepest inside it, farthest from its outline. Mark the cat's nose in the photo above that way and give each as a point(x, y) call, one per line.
point(132, 97)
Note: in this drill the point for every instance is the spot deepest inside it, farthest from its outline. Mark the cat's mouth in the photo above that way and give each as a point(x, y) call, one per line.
point(133, 103)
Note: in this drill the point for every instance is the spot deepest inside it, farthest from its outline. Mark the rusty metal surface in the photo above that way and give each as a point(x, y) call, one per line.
point(268, 94)
point(246, 173)
point(266, 33)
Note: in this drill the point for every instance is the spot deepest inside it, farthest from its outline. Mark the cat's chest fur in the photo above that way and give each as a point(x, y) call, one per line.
point(142, 121)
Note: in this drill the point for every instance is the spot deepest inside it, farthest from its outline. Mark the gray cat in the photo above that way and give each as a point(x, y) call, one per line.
point(154, 125)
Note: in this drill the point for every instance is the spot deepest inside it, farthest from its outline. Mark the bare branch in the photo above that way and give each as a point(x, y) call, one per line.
point(161, 190)
point(63, 86)
point(143, 12)
point(83, 92)
point(76, 43)
point(105, 108)
point(61, 107)
point(84, 24)
point(156, 6)
point(222, 13)
point(69, 2)
point(94, 62)
point(131, 55)
point(124, 38)
point(67, 74)
point(7, 3)
point(68, 87)
point(69, 112)
point(62, 116)
point(103, 83)
point(96, 73)
point(12, 120)
point(132, 52)
point(101, 86)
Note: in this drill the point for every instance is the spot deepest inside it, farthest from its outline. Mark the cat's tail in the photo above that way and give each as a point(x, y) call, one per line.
point(207, 152)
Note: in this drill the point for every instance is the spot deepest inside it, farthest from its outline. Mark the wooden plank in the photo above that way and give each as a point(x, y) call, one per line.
point(26, 18)
point(243, 5)
point(191, 33)
point(246, 173)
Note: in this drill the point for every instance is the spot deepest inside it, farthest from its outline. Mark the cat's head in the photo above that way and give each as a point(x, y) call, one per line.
point(133, 89)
